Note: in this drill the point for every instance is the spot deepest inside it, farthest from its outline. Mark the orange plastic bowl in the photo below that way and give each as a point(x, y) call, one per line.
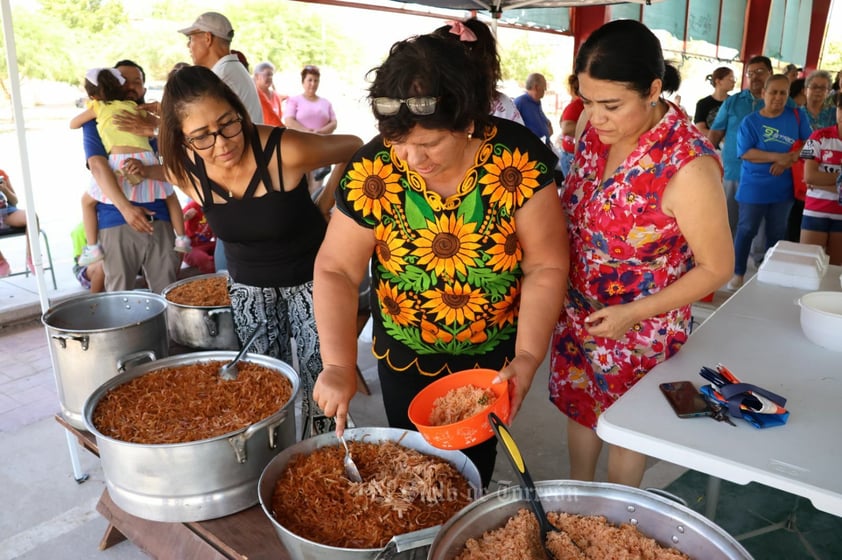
point(470, 431)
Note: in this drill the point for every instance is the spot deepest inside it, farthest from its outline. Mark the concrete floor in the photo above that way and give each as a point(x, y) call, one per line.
point(51, 516)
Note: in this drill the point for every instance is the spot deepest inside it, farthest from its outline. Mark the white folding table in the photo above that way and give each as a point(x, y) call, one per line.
point(756, 334)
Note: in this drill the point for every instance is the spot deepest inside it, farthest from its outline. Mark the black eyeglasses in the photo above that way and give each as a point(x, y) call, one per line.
point(227, 130)
point(387, 106)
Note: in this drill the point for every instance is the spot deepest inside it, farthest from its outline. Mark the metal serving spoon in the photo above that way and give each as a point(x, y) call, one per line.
point(526, 483)
point(351, 470)
point(229, 371)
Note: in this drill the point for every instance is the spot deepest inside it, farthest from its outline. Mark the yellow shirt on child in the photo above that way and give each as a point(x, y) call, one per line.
point(108, 131)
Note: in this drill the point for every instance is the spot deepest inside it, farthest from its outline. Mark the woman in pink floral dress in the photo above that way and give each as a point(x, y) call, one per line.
point(648, 233)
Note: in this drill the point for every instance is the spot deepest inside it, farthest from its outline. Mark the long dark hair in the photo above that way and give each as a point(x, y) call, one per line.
point(627, 51)
point(186, 86)
point(429, 65)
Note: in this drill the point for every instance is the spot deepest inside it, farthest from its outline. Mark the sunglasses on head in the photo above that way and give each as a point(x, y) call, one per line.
point(387, 106)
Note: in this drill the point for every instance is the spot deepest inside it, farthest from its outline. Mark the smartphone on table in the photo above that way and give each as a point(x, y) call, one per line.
point(685, 399)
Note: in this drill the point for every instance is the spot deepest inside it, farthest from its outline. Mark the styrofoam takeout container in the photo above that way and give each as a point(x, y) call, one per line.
point(794, 265)
point(805, 249)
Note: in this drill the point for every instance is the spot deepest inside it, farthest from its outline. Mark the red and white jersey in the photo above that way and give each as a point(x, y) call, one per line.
point(824, 146)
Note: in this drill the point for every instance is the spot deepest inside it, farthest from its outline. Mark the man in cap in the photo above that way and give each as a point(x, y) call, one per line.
point(209, 41)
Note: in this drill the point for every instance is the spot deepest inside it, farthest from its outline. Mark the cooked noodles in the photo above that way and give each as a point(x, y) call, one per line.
point(460, 403)
point(204, 292)
point(190, 402)
point(403, 490)
point(594, 536)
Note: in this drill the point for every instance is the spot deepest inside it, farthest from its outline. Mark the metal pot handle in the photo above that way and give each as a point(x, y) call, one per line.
point(408, 541)
point(211, 320)
point(83, 340)
point(135, 358)
point(668, 495)
point(238, 442)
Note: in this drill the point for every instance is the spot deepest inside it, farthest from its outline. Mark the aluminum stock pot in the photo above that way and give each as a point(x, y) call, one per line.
point(208, 327)
point(197, 480)
point(402, 547)
point(666, 521)
point(95, 337)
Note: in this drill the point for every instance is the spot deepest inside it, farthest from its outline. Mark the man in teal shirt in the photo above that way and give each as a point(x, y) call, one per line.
point(727, 123)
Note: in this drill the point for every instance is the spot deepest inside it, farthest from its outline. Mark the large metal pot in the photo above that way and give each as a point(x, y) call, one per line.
point(668, 522)
point(197, 480)
point(207, 327)
point(410, 545)
point(95, 337)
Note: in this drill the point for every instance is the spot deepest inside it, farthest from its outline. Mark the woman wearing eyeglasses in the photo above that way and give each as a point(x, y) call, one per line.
point(768, 143)
point(458, 210)
point(251, 182)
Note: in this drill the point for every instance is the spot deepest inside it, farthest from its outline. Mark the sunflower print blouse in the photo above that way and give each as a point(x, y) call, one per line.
point(446, 272)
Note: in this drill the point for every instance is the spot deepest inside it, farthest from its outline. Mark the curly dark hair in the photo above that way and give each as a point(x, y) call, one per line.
point(431, 65)
point(483, 50)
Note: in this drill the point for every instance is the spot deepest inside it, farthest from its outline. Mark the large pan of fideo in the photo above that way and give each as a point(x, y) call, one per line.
point(178, 443)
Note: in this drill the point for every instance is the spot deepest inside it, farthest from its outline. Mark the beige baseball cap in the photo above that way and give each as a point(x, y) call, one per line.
point(213, 23)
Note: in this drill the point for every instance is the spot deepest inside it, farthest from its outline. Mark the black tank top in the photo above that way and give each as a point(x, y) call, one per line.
point(270, 240)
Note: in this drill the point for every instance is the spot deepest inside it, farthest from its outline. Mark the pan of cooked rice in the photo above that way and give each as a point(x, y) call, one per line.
point(604, 520)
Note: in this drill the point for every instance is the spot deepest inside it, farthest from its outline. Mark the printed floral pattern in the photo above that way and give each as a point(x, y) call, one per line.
point(446, 272)
point(623, 248)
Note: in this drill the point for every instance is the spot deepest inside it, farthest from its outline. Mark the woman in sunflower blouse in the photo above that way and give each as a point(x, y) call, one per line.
point(469, 245)
point(649, 236)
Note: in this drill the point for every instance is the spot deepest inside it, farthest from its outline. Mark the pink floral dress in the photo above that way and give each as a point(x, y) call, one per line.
point(623, 248)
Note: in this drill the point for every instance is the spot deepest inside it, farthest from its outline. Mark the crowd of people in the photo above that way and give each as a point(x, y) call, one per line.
point(484, 247)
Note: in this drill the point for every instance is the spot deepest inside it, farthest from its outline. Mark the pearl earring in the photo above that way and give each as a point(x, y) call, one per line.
point(654, 104)
point(470, 135)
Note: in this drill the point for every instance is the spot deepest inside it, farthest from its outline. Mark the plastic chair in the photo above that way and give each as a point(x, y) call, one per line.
point(19, 232)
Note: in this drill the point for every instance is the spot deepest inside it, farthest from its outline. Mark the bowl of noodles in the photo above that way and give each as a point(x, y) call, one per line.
point(452, 412)
point(409, 489)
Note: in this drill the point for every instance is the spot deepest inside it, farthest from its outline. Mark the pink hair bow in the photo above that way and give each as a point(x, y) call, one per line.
point(465, 34)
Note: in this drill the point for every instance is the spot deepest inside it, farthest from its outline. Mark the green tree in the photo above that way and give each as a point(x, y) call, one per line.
point(93, 16)
point(832, 57)
point(45, 47)
point(520, 58)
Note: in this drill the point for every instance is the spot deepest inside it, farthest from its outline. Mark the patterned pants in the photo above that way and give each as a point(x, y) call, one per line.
point(289, 315)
